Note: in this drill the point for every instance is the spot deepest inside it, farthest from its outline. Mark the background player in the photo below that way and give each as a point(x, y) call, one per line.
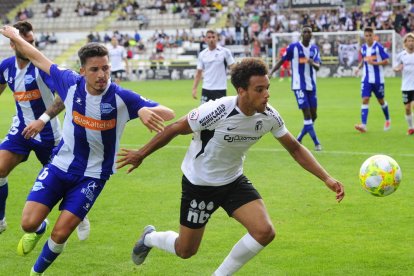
point(374, 57)
point(118, 59)
point(212, 64)
point(405, 62)
point(305, 61)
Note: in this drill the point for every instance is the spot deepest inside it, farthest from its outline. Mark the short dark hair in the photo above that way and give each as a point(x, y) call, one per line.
point(243, 70)
point(306, 27)
point(92, 49)
point(211, 31)
point(24, 27)
point(368, 30)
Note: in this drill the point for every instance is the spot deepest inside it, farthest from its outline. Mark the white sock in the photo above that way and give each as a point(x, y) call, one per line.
point(409, 119)
point(244, 250)
point(55, 247)
point(3, 181)
point(162, 240)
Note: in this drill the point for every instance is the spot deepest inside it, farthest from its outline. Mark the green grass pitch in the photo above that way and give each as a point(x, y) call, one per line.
point(363, 235)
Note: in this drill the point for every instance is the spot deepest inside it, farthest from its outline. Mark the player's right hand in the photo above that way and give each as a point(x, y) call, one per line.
point(194, 93)
point(129, 157)
point(33, 129)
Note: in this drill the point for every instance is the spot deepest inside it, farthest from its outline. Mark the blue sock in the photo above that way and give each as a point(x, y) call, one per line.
point(364, 114)
point(4, 192)
point(303, 131)
point(42, 228)
point(50, 252)
point(385, 110)
point(312, 133)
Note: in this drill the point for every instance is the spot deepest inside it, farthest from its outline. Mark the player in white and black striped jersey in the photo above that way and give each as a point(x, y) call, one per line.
point(405, 61)
point(213, 177)
point(212, 64)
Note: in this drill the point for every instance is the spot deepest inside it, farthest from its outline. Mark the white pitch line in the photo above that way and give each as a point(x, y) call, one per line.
point(258, 149)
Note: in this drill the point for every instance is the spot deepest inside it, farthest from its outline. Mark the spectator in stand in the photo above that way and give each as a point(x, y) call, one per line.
point(137, 36)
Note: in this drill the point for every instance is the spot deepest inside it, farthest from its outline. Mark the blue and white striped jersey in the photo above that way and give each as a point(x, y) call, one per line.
point(373, 73)
point(93, 124)
point(303, 74)
point(33, 93)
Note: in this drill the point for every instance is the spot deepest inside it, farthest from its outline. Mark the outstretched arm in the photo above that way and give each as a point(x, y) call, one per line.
point(36, 126)
point(305, 158)
point(28, 50)
point(135, 157)
point(153, 117)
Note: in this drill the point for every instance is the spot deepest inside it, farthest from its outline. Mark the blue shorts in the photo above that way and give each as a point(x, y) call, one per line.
point(16, 143)
point(306, 98)
point(367, 88)
point(78, 193)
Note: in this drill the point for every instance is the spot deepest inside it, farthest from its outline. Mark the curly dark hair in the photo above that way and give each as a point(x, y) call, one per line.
point(92, 49)
point(24, 27)
point(243, 70)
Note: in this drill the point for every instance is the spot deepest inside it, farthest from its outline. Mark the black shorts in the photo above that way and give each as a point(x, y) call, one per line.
point(207, 95)
point(407, 96)
point(118, 74)
point(198, 203)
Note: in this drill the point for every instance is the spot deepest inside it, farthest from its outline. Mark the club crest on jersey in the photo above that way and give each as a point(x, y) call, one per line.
point(106, 108)
point(193, 114)
point(259, 125)
point(28, 79)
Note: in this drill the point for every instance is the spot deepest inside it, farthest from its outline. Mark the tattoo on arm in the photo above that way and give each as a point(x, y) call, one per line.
point(56, 107)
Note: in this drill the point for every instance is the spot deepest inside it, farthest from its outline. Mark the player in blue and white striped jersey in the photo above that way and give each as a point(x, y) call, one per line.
point(34, 127)
point(96, 113)
point(305, 61)
point(374, 57)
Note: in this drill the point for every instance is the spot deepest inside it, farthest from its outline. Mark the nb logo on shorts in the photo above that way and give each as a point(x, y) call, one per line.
point(37, 186)
point(197, 213)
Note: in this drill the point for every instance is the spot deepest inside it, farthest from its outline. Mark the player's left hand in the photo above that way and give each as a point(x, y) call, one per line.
point(129, 157)
point(151, 120)
point(33, 129)
point(337, 187)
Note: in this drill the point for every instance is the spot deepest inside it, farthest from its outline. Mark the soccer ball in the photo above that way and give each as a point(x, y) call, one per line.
point(380, 175)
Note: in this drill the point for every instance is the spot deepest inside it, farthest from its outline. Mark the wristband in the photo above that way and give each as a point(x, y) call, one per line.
point(45, 118)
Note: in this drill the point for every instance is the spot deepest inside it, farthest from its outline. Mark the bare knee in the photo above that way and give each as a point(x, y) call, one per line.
point(30, 224)
point(60, 235)
point(4, 172)
point(265, 234)
point(185, 253)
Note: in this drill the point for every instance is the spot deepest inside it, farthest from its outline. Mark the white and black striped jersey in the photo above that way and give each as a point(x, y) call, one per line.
point(222, 136)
